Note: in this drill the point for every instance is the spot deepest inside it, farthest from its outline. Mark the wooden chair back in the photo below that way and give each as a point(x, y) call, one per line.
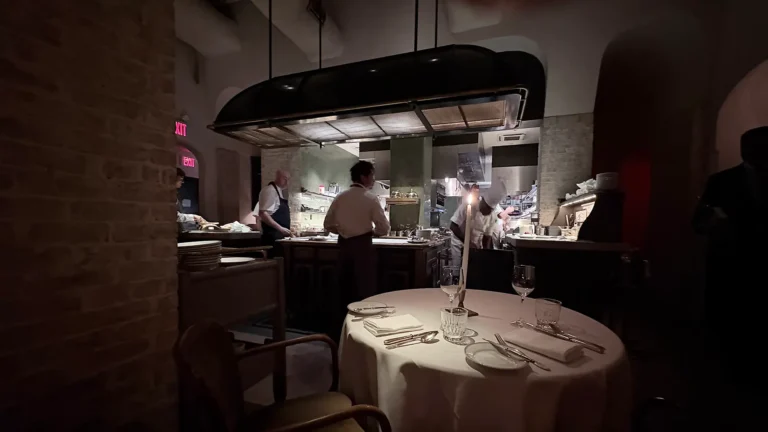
point(210, 379)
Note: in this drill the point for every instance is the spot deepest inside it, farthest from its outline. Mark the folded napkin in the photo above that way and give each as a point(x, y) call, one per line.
point(543, 344)
point(392, 324)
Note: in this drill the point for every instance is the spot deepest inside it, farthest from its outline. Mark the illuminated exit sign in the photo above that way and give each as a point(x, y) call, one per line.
point(181, 129)
point(188, 161)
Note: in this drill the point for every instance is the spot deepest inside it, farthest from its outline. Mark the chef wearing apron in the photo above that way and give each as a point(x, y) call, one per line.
point(274, 212)
point(356, 216)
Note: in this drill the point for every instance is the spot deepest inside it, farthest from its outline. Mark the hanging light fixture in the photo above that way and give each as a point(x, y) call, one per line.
point(453, 89)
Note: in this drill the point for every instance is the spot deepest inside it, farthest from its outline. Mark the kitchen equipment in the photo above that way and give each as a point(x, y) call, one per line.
point(478, 90)
point(607, 181)
point(437, 195)
point(425, 233)
point(411, 194)
point(554, 230)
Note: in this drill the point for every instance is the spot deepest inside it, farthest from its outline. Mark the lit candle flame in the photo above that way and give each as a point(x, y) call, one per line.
point(469, 198)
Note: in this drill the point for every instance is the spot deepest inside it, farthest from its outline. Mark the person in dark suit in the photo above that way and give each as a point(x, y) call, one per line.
point(731, 214)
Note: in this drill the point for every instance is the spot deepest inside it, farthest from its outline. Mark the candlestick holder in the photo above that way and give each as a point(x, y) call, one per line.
point(470, 312)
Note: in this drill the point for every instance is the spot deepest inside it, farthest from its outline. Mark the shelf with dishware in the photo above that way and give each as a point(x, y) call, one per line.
point(402, 201)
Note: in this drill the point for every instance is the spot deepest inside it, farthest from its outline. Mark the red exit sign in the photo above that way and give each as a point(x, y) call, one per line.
point(188, 161)
point(181, 129)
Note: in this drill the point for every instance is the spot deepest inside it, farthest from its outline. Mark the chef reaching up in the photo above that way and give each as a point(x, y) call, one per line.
point(356, 216)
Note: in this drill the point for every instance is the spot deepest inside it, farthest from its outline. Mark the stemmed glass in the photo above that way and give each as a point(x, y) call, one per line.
point(450, 282)
point(524, 282)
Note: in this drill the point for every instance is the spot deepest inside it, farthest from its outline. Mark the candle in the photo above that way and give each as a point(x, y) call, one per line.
point(467, 234)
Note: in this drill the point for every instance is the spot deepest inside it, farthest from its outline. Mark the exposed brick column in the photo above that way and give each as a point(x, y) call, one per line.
point(88, 303)
point(565, 158)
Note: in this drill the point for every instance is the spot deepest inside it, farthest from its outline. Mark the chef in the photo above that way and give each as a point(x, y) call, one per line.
point(481, 210)
point(356, 216)
point(274, 213)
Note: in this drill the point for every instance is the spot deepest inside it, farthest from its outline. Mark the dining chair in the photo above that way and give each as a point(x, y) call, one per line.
point(212, 394)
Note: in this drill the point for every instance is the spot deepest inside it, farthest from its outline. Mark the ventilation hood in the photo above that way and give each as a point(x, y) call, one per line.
point(448, 90)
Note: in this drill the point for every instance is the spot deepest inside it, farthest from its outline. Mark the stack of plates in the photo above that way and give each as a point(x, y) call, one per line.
point(200, 255)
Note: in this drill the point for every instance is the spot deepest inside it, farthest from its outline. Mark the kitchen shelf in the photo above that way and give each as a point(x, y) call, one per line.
point(330, 197)
point(402, 201)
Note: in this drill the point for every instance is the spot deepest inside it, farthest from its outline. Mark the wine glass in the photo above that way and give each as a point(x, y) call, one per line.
point(524, 282)
point(450, 282)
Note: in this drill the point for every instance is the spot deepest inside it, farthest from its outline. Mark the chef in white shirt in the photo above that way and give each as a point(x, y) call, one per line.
point(274, 213)
point(482, 209)
point(356, 216)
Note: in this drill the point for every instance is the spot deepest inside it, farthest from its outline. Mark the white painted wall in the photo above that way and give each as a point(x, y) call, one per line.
point(220, 78)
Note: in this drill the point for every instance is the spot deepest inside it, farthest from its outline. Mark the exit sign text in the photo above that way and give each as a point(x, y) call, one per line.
point(181, 129)
point(188, 161)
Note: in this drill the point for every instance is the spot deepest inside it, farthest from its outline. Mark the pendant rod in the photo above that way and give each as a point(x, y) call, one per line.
point(270, 39)
point(416, 28)
point(437, 5)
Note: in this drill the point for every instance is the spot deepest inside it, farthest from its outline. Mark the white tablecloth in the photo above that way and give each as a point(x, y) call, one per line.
point(435, 388)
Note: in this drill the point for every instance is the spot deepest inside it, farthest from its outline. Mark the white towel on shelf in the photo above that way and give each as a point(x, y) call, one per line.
point(392, 324)
point(543, 344)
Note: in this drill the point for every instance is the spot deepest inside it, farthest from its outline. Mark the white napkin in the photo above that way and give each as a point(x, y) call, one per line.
point(392, 324)
point(549, 346)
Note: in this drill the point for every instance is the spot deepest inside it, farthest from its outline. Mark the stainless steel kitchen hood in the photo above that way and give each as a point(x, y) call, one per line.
point(447, 90)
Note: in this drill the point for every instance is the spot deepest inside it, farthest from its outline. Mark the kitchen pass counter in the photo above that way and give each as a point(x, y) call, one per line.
point(377, 242)
point(559, 243)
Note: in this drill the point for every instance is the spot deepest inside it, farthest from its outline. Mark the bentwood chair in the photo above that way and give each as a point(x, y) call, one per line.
point(212, 394)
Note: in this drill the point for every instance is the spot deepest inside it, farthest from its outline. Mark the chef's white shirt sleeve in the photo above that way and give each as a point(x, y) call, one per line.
point(269, 201)
point(460, 216)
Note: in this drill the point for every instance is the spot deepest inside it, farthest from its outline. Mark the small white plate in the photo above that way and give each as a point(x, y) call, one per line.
point(362, 305)
point(199, 243)
point(484, 354)
point(227, 261)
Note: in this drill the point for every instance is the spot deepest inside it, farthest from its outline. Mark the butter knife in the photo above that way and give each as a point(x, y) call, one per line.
point(588, 345)
point(516, 352)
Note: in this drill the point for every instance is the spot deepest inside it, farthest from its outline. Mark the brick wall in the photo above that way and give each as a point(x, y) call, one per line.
point(288, 159)
point(88, 305)
point(565, 158)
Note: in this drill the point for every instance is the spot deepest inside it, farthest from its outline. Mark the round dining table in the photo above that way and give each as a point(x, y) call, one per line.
point(434, 387)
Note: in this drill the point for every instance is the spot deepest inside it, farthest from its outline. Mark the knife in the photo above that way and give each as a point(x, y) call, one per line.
point(588, 345)
point(401, 339)
point(518, 353)
point(597, 347)
point(371, 308)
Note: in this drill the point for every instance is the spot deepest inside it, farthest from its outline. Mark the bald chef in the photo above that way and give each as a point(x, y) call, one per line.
point(482, 209)
point(356, 216)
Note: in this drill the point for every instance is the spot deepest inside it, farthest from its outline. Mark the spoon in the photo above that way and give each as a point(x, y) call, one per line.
point(428, 338)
